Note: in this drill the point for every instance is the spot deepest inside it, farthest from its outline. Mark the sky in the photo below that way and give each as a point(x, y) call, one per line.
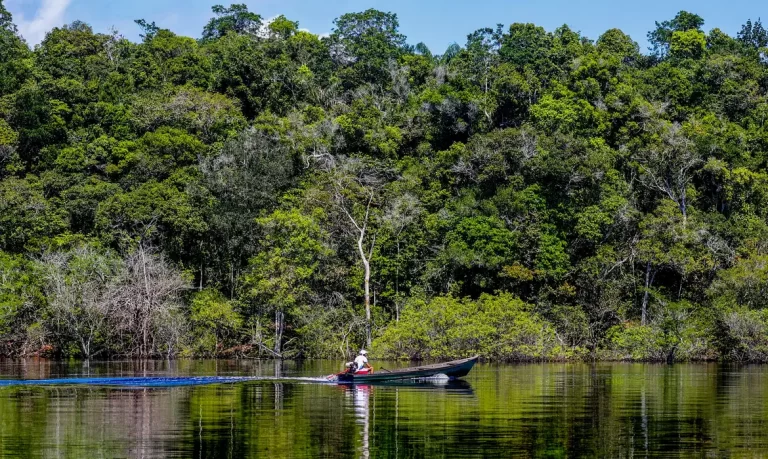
point(437, 23)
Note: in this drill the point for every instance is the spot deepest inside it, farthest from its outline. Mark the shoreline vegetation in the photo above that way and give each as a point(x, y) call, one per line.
point(261, 191)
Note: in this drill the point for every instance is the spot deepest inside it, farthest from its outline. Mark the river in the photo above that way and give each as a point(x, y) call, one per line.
point(603, 409)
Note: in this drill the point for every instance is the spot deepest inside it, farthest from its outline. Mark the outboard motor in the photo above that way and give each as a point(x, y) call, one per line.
point(351, 367)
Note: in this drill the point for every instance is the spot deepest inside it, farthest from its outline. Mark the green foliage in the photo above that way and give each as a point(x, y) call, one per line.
point(211, 117)
point(167, 59)
point(27, 219)
point(15, 65)
point(363, 44)
point(216, 325)
point(744, 285)
point(741, 335)
point(525, 44)
point(668, 339)
point(6, 19)
point(615, 41)
point(687, 44)
point(581, 198)
point(753, 34)
point(235, 19)
point(155, 212)
point(661, 38)
point(480, 241)
point(499, 327)
point(21, 299)
point(280, 278)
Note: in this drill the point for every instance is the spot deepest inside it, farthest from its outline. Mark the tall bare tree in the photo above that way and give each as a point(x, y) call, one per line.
point(358, 192)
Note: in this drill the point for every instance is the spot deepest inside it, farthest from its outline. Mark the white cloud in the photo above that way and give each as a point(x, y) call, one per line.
point(50, 14)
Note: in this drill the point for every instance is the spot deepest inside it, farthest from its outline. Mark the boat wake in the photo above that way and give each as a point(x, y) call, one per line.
point(159, 381)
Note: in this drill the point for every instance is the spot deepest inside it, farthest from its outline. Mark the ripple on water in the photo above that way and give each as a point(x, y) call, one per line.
point(265, 409)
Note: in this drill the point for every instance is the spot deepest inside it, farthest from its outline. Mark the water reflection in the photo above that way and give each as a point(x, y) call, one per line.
point(605, 410)
point(361, 396)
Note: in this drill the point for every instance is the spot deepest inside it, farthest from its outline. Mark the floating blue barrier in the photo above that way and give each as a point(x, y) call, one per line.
point(141, 382)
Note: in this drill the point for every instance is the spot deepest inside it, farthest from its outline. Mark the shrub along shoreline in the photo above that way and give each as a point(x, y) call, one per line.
point(503, 328)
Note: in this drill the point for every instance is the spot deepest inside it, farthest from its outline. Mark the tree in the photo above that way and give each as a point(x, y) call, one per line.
point(661, 37)
point(280, 278)
point(687, 44)
point(401, 215)
point(477, 248)
point(676, 244)
point(14, 67)
point(743, 285)
point(668, 165)
point(154, 213)
point(75, 52)
point(364, 43)
point(357, 190)
point(502, 327)
point(39, 120)
point(150, 29)
point(211, 117)
point(480, 58)
point(79, 285)
point(282, 28)
point(22, 300)
point(753, 35)
point(28, 221)
point(617, 42)
point(165, 58)
point(147, 305)
point(526, 44)
point(6, 19)
point(245, 179)
point(274, 73)
point(214, 322)
point(236, 19)
point(155, 156)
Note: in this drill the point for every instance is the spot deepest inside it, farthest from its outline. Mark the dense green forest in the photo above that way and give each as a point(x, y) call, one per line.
point(263, 191)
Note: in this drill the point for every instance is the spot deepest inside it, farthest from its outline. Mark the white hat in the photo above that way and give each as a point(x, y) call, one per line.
point(363, 352)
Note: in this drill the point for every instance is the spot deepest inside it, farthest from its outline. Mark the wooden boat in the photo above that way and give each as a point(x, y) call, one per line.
point(453, 369)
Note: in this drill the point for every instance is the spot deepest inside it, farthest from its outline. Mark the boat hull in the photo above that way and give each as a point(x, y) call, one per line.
point(454, 369)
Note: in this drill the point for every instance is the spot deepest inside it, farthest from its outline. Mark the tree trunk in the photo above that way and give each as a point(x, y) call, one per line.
point(671, 355)
point(366, 259)
point(684, 207)
point(366, 285)
point(279, 325)
point(86, 348)
point(367, 265)
point(232, 281)
point(397, 282)
point(147, 305)
point(648, 281)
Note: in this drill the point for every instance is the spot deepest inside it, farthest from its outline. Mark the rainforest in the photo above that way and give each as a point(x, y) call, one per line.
point(261, 191)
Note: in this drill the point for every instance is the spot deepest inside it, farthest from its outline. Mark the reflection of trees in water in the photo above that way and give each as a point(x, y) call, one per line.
point(361, 401)
point(601, 410)
point(86, 422)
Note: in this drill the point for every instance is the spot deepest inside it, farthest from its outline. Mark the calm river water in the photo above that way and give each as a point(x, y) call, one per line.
point(554, 410)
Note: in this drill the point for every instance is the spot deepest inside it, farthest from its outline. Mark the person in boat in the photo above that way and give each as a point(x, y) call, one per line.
point(361, 365)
